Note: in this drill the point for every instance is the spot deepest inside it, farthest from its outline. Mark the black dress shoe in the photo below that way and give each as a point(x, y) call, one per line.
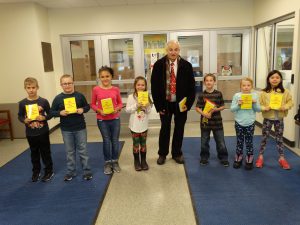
point(161, 160)
point(179, 159)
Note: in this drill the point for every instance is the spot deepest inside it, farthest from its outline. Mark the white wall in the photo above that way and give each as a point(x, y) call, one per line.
point(23, 28)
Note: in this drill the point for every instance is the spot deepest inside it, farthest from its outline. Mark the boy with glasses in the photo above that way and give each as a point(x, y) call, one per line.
point(70, 106)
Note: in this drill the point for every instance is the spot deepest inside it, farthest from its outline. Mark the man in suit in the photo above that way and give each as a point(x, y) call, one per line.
point(172, 80)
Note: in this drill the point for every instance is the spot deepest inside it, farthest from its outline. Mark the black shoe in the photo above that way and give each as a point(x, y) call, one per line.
point(48, 176)
point(178, 159)
point(137, 162)
point(249, 166)
point(161, 160)
point(203, 162)
point(68, 177)
point(35, 176)
point(225, 163)
point(88, 176)
point(237, 164)
point(144, 164)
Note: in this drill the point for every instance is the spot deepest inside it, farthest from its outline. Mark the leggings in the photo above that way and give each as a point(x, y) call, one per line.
point(279, 127)
point(139, 141)
point(244, 134)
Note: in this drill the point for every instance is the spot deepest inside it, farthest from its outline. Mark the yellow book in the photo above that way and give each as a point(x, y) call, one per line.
point(181, 104)
point(275, 101)
point(70, 105)
point(246, 101)
point(208, 106)
point(143, 97)
point(32, 111)
point(107, 106)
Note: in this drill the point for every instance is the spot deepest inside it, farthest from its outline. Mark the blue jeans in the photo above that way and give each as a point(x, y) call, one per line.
point(110, 131)
point(220, 144)
point(76, 141)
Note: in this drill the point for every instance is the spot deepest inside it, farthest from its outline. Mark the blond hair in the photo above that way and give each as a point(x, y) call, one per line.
point(66, 76)
point(246, 79)
point(29, 81)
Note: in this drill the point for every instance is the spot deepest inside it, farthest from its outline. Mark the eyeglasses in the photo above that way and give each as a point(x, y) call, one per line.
point(66, 84)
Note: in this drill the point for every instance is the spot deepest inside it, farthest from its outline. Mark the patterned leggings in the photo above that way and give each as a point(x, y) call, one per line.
point(267, 126)
point(139, 141)
point(244, 134)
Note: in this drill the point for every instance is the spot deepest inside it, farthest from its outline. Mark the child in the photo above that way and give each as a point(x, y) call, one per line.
point(274, 116)
point(138, 123)
point(108, 122)
point(244, 115)
point(70, 106)
point(37, 130)
point(211, 121)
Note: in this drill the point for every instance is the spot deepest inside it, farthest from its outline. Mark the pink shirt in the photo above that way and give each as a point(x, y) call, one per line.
point(100, 93)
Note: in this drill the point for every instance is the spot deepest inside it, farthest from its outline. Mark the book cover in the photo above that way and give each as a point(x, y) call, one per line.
point(32, 111)
point(143, 97)
point(107, 106)
point(70, 105)
point(246, 101)
point(182, 104)
point(275, 101)
point(209, 105)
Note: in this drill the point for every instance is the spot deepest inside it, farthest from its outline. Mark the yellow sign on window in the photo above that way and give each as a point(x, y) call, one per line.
point(107, 106)
point(32, 111)
point(275, 101)
point(70, 105)
point(143, 97)
point(246, 101)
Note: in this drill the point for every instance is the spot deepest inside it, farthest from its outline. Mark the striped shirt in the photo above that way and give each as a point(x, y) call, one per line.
point(215, 122)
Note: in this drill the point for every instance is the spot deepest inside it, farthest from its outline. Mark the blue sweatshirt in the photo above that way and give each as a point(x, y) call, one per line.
point(244, 117)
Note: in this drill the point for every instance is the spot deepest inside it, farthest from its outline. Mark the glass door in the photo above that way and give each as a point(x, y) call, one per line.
point(82, 58)
point(123, 54)
point(229, 60)
point(195, 49)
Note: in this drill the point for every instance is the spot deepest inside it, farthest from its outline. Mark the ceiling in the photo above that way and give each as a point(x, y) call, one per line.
point(95, 3)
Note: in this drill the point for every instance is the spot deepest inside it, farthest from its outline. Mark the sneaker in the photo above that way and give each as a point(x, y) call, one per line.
point(237, 164)
point(108, 168)
point(259, 162)
point(203, 162)
point(284, 164)
point(116, 167)
point(48, 176)
point(88, 176)
point(68, 177)
point(35, 176)
point(225, 163)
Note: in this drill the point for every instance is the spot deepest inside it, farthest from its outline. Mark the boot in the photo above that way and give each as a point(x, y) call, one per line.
point(137, 163)
point(144, 164)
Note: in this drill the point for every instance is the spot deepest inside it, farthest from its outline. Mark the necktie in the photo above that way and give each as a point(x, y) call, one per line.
point(172, 81)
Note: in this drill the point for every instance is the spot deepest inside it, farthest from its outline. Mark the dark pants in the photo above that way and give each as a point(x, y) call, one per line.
point(40, 147)
point(220, 144)
point(165, 130)
point(244, 134)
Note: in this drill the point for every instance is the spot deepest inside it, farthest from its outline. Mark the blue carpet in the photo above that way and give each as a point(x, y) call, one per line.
point(228, 196)
point(56, 202)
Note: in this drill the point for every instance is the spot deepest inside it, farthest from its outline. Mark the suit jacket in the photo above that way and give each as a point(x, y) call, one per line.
point(185, 83)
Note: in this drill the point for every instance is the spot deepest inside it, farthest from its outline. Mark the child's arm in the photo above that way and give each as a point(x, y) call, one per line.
point(85, 106)
point(255, 104)
point(263, 103)
point(235, 106)
point(94, 100)
point(288, 104)
point(131, 105)
point(45, 106)
point(221, 104)
point(119, 105)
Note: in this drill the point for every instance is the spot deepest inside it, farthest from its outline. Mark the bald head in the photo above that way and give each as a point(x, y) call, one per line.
point(173, 49)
